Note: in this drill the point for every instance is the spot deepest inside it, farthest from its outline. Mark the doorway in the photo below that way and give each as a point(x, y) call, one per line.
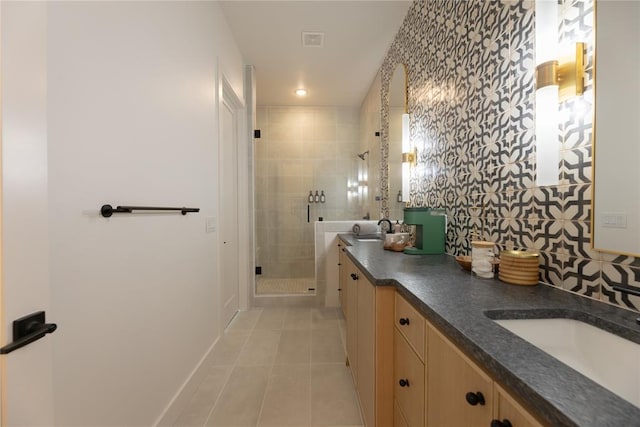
point(230, 109)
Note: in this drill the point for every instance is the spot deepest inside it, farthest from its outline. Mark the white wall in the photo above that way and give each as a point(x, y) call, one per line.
point(132, 119)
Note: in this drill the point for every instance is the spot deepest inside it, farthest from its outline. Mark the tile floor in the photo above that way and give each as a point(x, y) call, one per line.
point(300, 285)
point(277, 367)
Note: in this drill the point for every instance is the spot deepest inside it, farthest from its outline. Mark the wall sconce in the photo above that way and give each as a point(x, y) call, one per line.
point(409, 157)
point(557, 79)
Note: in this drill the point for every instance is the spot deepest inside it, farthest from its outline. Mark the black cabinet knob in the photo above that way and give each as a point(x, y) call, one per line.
point(503, 423)
point(354, 276)
point(404, 383)
point(404, 321)
point(474, 399)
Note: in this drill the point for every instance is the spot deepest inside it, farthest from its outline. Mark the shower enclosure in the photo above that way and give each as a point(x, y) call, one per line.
point(301, 149)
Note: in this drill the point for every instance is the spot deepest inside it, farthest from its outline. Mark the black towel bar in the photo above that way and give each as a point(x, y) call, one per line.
point(108, 210)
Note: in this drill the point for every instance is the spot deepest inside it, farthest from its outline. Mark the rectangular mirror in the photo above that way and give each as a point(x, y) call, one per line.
point(398, 190)
point(616, 203)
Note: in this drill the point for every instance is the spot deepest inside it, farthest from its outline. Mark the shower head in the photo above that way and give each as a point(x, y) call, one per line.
point(363, 154)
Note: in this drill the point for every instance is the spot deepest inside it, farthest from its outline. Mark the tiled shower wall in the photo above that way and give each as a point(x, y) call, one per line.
point(471, 100)
point(301, 149)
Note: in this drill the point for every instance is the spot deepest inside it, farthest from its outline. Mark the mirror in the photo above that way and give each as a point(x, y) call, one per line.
point(370, 144)
point(616, 203)
point(397, 107)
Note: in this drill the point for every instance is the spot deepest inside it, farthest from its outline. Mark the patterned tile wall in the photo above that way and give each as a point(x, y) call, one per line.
point(471, 100)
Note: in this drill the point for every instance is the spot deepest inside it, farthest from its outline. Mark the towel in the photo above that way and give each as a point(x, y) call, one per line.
point(364, 229)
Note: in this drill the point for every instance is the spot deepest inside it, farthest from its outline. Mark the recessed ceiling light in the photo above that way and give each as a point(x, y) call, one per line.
point(301, 92)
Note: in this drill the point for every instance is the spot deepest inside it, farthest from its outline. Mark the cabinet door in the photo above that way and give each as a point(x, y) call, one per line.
point(370, 345)
point(351, 287)
point(506, 408)
point(408, 381)
point(342, 275)
point(458, 392)
point(366, 351)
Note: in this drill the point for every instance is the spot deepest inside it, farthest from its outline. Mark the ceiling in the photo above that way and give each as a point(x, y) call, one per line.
point(357, 36)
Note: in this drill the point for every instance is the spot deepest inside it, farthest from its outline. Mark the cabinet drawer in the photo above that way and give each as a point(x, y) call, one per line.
point(411, 324)
point(409, 382)
point(506, 408)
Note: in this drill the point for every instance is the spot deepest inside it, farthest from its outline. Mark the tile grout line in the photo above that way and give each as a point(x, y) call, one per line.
point(219, 395)
point(272, 367)
point(309, 400)
point(233, 367)
point(273, 362)
point(266, 387)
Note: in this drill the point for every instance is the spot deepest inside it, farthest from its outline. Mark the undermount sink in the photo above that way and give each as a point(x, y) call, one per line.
point(368, 238)
point(610, 360)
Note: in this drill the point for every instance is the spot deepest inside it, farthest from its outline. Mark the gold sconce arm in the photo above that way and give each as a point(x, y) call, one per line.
point(411, 157)
point(567, 74)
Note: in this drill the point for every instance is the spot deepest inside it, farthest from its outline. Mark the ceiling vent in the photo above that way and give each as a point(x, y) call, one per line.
point(312, 39)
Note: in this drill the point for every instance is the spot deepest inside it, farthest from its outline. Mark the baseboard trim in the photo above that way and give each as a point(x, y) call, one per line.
point(170, 414)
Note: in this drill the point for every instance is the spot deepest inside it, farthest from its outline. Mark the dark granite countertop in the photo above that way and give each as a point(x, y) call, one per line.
point(456, 302)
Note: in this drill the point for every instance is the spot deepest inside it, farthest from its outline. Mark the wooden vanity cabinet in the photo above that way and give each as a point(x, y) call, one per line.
point(411, 325)
point(445, 387)
point(409, 384)
point(369, 345)
point(398, 416)
point(506, 408)
point(342, 275)
point(351, 318)
point(458, 392)
point(408, 364)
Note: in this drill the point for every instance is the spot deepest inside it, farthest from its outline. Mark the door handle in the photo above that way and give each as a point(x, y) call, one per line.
point(28, 329)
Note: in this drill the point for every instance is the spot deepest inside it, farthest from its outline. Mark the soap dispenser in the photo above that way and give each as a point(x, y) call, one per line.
point(316, 198)
point(322, 197)
point(310, 197)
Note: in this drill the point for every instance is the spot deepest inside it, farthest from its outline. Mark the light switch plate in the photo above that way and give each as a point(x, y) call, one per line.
point(210, 224)
point(614, 220)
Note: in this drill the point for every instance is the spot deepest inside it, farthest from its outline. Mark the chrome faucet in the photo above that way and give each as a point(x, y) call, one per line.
point(390, 230)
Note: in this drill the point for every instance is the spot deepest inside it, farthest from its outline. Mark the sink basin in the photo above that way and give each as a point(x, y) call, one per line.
point(368, 238)
point(611, 361)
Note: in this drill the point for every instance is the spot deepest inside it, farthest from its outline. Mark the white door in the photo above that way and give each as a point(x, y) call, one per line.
point(26, 373)
point(229, 206)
